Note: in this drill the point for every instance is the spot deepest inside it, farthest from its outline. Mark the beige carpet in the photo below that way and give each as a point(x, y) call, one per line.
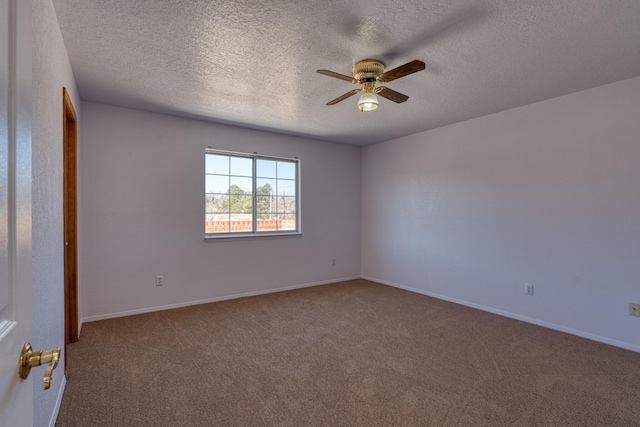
point(349, 354)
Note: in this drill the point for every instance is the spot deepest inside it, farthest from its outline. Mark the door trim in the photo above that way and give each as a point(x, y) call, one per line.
point(69, 141)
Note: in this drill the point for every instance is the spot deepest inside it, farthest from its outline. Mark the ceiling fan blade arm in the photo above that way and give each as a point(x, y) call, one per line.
point(401, 71)
point(337, 75)
point(391, 94)
point(343, 97)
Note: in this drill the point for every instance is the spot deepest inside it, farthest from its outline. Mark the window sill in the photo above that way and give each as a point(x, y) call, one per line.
point(250, 236)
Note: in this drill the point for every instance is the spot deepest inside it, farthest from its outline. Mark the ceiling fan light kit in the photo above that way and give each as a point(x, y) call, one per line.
point(368, 101)
point(367, 73)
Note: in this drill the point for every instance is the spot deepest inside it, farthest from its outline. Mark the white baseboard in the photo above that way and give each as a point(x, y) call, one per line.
point(582, 334)
point(208, 300)
point(56, 408)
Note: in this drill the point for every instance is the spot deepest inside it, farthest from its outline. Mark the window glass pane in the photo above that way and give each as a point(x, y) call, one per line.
point(216, 203)
point(241, 223)
point(216, 223)
point(218, 217)
point(266, 168)
point(240, 185)
point(241, 166)
point(286, 205)
point(287, 223)
point(267, 225)
point(286, 170)
point(265, 186)
point(216, 184)
point(240, 204)
point(217, 164)
point(286, 187)
point(223, 228)
point(265, 206)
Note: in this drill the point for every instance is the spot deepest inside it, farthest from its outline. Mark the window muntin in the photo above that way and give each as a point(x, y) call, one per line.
point(250, 194)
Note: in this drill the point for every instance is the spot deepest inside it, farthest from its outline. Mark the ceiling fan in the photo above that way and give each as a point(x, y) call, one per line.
point(370, 72)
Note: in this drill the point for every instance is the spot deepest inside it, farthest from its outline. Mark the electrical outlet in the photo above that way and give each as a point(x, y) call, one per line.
point(528, 289)
point(634, 309)
point(158, 280)
point(333, 261)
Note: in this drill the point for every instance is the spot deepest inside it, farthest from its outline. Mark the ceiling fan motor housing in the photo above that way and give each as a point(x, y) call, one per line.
point(367, 70)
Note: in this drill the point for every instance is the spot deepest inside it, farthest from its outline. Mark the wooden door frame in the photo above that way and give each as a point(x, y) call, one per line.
point(69, 140)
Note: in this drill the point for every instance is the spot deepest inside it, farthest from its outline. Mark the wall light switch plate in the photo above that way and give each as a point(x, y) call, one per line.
point(634, 309)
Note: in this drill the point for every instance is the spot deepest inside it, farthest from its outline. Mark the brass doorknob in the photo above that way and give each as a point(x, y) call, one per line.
point(30, 359)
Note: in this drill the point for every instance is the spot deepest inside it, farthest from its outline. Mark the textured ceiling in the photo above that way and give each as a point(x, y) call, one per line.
point(252, 62)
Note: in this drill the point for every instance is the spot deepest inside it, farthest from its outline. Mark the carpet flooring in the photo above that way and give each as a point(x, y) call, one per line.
point(353, 353)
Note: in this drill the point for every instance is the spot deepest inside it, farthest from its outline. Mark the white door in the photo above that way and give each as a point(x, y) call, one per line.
point(16, 404)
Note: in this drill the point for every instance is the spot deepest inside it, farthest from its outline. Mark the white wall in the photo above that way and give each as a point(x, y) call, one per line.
point(142, 214)
point(547, 194)
point(51, 71)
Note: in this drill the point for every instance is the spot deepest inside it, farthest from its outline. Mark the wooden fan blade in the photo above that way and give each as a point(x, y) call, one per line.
point(337, 75)
point(403, 70)
point(343, 97)
point(391, 94)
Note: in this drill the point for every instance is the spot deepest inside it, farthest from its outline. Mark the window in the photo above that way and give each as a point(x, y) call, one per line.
point(247, 194)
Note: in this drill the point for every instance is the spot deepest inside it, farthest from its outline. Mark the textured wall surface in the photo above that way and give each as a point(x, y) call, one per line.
point(51, 71)
point(544, 194)
point(142, 213)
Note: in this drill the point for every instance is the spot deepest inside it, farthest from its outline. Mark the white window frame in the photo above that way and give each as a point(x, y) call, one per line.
point(254, 213)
